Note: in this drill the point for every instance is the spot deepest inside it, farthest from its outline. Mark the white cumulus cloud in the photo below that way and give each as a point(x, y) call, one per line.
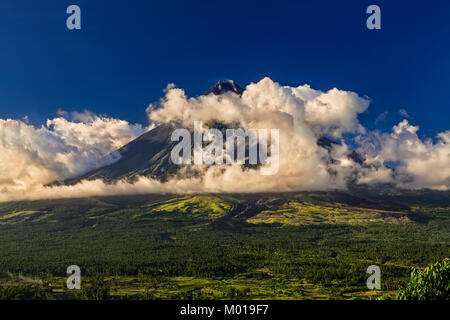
point(70, 144)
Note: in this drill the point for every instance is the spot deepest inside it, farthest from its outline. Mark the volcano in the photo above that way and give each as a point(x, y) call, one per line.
point(149, 154)
point(223, 86)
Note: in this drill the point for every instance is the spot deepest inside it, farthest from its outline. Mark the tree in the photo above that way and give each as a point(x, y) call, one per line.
point(432, 283)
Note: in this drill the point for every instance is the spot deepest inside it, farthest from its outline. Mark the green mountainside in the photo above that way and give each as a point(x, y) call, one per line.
point(309, 245)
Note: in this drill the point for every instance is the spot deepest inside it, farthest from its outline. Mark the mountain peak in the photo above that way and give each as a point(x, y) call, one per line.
point(223, 86)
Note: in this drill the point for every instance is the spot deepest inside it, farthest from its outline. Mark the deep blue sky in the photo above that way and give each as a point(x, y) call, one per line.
point(128, 51)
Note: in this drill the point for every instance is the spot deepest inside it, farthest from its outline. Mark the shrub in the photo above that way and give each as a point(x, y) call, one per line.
point(432, 283)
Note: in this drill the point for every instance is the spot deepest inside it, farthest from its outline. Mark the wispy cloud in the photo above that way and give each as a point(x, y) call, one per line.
point(381, 117)
point(404, 113)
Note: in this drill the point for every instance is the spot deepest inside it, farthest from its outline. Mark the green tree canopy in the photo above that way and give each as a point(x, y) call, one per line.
point(432, 283)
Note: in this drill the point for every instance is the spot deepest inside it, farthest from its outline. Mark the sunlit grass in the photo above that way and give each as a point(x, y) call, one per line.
point(305, 213)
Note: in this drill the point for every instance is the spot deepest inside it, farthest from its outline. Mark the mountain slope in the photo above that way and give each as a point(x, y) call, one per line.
point(149, 154)
point(223, 86)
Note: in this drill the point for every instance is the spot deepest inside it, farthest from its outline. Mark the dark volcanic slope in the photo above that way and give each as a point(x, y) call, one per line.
point(147, 155)
point(223, 86)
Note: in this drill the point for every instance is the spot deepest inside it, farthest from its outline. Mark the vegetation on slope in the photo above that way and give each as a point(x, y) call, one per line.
point(203, 246)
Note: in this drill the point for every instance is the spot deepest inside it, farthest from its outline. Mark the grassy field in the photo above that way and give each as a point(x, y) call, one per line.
point(266, 246)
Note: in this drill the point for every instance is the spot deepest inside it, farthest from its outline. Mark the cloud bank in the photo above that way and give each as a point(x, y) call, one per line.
point(71, 144)
point(31, 157)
